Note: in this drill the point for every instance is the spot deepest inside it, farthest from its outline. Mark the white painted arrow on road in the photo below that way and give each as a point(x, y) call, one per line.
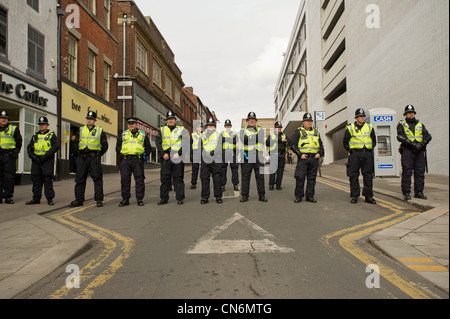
point(209, 245)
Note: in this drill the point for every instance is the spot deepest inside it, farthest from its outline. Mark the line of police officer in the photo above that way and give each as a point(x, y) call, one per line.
point(212, 152)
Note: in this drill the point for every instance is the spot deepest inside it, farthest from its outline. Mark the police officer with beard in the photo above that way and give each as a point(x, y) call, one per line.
point(252, 137)
point(133, 145)
point(10, 146)
point(91, 143)
point(41, 149)
point(211, 162)
point(414, 138)
point(359, 141)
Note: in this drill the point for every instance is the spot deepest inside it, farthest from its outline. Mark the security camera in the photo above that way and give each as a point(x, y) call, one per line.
point(116, 76)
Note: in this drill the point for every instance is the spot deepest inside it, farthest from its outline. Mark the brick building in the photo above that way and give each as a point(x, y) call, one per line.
point(89, 58)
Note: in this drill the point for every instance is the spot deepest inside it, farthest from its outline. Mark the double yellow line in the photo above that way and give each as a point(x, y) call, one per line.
point(110, 240)
point(348, 240)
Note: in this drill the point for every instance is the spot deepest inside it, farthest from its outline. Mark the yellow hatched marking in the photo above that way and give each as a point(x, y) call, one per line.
point(427, 268)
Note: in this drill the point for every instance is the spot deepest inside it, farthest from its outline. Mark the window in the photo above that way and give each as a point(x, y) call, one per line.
point(92, 6)
point(34, 4)
point(36, 45)
point(72, 63)
point(156, 73)
point(168, 86)
point(3, 32)
point(141, 57)
point(91, 72)
point(177, 96)
point(106, 79)
point(107, 14)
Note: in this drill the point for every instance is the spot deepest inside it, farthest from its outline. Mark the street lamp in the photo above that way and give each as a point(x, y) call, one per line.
point(306, 88)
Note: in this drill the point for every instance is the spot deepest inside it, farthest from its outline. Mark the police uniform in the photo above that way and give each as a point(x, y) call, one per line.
point(414, 138)
point(253, 139)
point(277, 143)
point(91, 143)
point(133, 147)
point(211, 163)
point(229, 156)
point(172, 140)
point(10, 146)
point(307, 143)
point(196, 154)
point(359, 141)
point(42, 149)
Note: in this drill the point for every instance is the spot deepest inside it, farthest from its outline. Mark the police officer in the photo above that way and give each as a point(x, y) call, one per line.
point(252, 137)
point(359, 141)
point(171, 141)
point(196, 153)
point(10, 146)
point(91, 143)
point(41, 149)
point(229, 155)
point(133, 145)
point(414, 138)
point(211, 162)
point(308, 146)
point(277, 143)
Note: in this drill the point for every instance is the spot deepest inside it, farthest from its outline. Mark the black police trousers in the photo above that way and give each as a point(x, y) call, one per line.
point(7, 175)
point(135, 167)
point(207, 171)
point(42, 175)
point(360, 161)
point(92, 166)
point(306, 169)
point(195, 170)
point(172, 172)
point(277, 177)
point(246, 172)
point(234, 173)
point(416, 162)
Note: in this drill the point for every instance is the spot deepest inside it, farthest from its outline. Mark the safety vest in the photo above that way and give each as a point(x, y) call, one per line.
point(308, 142)
point(258, 146)
point(210, 144)
point(133, 145)
point(7, 141)
point(360, 138)
point(195, 139)
point(228, 143)
point(42, 142)
point(274, 138)
point(90, 139)
point(171, 139)
point(417, 135)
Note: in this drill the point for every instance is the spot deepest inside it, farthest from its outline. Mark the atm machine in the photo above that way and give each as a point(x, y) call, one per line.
point(386, 155)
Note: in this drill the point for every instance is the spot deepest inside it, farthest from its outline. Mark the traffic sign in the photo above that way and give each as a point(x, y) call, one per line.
point(320, 116)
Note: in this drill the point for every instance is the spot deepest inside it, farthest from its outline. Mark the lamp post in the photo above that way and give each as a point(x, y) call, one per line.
point(306, 88)
point(60, 13)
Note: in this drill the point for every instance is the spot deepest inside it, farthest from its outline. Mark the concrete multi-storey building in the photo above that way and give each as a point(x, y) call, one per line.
point(28, 69)
point(370, 54)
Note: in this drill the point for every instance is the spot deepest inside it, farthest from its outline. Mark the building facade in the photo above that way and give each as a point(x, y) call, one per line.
point(89, 55)
point(371, 55)
point(28, 69)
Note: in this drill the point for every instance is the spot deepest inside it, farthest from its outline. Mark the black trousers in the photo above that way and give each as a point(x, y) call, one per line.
point(277, 177)
point(93, 167)
point(234, 173)
point(413, 162)
point(306, 169)
point(172, 172)
point(207, 171)
point(195, 171)
point(42, 176)
point(360, 161)
point(246, 172)
point(7, 175)
point(135, 167)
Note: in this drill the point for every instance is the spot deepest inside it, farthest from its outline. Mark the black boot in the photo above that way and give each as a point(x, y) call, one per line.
point(124, 202)
point(76, 203)
point(33, 202)
point(263, 198)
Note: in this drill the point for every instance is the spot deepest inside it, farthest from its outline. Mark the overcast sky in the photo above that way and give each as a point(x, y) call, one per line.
point(229, 51)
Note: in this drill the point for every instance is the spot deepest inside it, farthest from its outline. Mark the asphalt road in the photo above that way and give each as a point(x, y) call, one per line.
point(253, 250)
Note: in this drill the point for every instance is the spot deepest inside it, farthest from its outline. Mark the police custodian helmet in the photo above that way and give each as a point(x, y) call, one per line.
point(170, 115)
point(4, 115)
point(227, 123)
point(409, 109)
point(360, 112)
point(307, 117)
point(251, 115)
point(91, 115)
point(43, 120)
point(278, 125)
point(211, 121)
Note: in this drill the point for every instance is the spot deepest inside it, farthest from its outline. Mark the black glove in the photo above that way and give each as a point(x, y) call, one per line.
point(35, 158)
point(13, 154)
point(43, 158)
point(211, 153)
point(419, 147)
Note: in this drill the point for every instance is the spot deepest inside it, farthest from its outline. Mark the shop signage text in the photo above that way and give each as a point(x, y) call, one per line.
point(21, 92)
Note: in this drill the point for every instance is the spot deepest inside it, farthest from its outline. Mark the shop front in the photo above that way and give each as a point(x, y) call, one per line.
point(76, 103)
point(25, 102)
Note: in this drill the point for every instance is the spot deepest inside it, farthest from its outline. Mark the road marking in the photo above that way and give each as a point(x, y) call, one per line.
point(349, 243)
point(209, 245)
point(109, 246)
point(417, 260)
